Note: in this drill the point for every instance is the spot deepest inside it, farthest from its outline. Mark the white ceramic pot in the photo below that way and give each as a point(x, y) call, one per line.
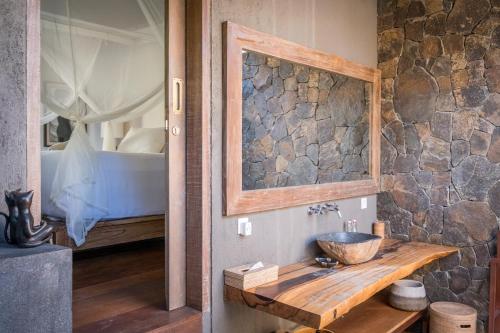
point(408, 295)
point(408, 288)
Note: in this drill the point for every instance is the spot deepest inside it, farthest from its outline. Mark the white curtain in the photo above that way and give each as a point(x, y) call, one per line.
point(93, 73)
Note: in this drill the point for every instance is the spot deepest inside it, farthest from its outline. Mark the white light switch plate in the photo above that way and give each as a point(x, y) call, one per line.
point(364, 203)
point(244, 227)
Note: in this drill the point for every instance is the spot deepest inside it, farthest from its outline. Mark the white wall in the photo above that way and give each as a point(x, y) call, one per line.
point(345, 27)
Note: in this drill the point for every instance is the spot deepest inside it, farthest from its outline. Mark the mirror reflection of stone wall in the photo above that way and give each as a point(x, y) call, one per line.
point(302, 125)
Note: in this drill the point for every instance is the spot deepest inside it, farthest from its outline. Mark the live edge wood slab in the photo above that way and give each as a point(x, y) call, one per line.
point(314, 296)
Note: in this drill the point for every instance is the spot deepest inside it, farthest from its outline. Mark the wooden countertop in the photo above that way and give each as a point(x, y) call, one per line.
point(314, 296)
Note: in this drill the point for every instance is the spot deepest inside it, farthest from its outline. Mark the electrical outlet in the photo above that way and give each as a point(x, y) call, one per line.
point(244, 227)
point(364, 203)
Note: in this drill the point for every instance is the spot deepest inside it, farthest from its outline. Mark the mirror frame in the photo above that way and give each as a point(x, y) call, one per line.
point(237, 201)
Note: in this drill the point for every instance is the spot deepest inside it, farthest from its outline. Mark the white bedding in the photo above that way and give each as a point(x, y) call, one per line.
point(135, 183)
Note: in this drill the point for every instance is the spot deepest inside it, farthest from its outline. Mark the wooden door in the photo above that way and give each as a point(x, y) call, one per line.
point(175, 228)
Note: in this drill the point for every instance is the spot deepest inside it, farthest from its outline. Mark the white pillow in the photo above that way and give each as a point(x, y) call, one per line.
point(58, 146)
point(143, 140)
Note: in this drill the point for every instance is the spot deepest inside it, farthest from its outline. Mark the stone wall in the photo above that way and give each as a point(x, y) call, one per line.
point(440, 62)
point(301, 125)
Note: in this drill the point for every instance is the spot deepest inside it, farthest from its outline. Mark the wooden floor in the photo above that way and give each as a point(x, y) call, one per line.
point(122, 290)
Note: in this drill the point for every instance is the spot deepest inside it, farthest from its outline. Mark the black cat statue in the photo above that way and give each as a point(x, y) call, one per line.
point(19, 227)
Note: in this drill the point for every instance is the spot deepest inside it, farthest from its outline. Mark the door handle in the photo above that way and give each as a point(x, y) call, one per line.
point(178, 95)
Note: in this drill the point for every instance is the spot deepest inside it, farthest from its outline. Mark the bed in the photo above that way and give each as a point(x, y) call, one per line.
point(135, 190)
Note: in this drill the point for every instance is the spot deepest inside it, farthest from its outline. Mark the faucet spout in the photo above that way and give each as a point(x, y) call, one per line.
point(334, 208)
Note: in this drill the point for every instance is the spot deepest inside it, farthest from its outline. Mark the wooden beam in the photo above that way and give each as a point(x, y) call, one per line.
point(313, 296)
point(198, 103)
point(114, 232)
point(494, 307)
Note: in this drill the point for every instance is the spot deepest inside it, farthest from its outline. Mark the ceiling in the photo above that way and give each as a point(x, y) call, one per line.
point(120, 14)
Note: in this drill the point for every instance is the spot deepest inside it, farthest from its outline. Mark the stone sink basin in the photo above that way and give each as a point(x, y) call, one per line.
point(349, 247)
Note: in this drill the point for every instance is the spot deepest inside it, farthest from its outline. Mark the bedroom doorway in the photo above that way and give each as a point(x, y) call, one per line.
point(113, 115)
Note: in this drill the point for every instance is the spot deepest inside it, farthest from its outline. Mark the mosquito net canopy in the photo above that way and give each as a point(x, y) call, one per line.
point(102, 61)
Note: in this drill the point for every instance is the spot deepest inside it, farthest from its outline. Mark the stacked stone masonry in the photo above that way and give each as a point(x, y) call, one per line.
point(301, 125)
point(440, 63)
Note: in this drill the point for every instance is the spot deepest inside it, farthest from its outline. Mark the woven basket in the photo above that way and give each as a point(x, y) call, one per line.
point(448, 317)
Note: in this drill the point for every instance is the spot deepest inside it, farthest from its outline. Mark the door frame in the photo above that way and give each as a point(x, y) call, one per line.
point(175, 166)
point(198, 141)
point(198, 154)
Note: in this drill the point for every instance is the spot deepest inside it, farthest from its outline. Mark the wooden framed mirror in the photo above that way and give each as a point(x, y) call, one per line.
point(301, 126)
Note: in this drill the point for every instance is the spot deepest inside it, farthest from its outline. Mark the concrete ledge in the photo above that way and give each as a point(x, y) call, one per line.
point(35, 289)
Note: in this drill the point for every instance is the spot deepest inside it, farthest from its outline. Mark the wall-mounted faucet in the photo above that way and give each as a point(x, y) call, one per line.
point(323, 209)
point(333, 208)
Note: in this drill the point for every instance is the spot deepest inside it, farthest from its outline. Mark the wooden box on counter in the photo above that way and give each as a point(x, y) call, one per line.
point(242, 278)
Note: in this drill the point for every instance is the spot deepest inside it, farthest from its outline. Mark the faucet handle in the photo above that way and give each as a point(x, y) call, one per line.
point(314, 210)
point(331, 205)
